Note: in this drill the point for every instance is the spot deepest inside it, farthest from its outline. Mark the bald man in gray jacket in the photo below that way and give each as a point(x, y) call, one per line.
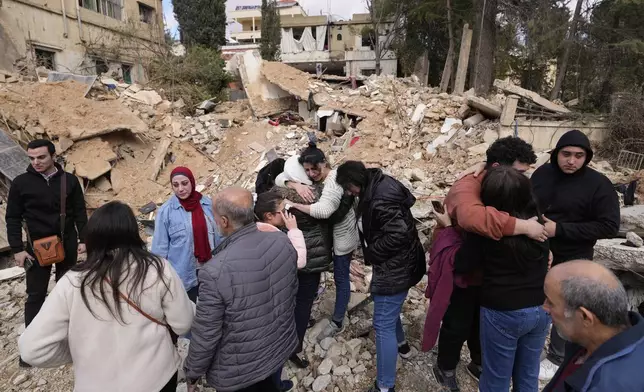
point(244, 328)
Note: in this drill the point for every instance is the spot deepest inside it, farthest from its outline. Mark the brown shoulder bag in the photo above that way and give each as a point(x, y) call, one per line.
point(50, 250)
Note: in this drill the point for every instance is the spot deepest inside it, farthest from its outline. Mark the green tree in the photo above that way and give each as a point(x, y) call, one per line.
point(201, 22)
point(269, 46)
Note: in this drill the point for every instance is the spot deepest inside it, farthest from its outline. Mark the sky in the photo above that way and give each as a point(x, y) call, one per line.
point(343, 8)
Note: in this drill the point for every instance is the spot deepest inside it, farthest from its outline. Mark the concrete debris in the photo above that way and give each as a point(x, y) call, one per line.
point(634, 240)
point(419, 113)
point(484, 106)
point(474, 120)
point(148, 97)
point(510, 88)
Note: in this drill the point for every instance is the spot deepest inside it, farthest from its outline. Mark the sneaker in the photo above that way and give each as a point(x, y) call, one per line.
point(547, 370)
point(446, 378)
point(23, 364)
point(404, 350)
point(299, 362)
point(474, 370)
point(375, 388)
point(331, 330)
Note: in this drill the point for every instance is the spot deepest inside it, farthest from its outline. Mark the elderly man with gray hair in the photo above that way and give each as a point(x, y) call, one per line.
point(244, 328)
point(589, 307)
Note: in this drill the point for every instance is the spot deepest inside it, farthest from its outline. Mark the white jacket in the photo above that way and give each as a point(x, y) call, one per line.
point(109, 356)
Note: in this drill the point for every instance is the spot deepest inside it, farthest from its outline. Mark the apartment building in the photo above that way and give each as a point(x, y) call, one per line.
point(249, 17)
point(340, 47)
point(81, 36)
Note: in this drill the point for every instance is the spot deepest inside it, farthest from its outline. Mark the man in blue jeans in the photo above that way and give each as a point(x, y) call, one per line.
point(391, 245)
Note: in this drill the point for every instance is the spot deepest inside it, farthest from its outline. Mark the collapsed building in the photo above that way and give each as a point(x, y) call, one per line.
point(122, 140)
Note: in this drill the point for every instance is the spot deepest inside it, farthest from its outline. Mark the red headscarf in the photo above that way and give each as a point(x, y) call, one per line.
point(192, 204)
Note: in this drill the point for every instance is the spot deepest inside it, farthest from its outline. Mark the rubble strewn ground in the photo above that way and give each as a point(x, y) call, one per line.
point(122, 142)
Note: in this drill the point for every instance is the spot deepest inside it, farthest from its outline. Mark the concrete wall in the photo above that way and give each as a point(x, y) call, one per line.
point(29, 24)
point(544, 135)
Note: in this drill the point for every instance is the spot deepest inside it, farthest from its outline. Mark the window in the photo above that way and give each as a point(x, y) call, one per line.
point(111, 8)
point(45, 58)
point(127, 73)
point(367, 40)
point(368, 71)
point(297, 33)
point(101, 66)
point(146, 13)
point(339, 37)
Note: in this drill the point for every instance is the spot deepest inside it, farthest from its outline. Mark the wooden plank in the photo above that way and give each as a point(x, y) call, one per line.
point(484, 106)
point(463, 60)
point(159, 158)
point(508, 87)
point(509, 110)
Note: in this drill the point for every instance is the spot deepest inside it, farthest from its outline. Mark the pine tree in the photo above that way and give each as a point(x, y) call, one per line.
point(271, 31)
point(201, 22)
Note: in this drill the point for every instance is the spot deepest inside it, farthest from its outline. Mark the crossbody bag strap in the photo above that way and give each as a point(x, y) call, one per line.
point(63, 205)
point(138, 309)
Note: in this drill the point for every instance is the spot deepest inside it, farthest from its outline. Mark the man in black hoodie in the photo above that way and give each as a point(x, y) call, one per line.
point(580, 207)
point(391, 245)
point(35, 197)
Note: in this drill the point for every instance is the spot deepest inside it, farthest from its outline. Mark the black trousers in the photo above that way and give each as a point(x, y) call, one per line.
point(38, 278)
point(306, 292)
point(266, 385)
point(171, 386)
point(460, 323)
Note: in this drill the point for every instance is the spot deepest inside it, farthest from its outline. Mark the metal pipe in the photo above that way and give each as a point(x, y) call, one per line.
point(80, 23)
point(65, 27)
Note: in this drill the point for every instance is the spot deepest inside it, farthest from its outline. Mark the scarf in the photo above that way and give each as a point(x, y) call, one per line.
point(192, 204)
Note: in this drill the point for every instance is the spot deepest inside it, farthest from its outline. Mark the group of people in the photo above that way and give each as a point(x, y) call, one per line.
point(238, 275)
point(491, 282)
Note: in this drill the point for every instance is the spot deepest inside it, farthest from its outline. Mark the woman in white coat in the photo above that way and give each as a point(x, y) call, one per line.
point(110, 315)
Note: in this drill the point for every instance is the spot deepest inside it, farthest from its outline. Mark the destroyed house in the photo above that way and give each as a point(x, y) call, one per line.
point(85, 37)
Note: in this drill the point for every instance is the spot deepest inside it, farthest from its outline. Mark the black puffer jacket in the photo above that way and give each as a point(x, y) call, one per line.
point(317, 233)
point(390, 238)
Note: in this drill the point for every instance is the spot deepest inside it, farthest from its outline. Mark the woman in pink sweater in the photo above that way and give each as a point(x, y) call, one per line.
point(272, 215)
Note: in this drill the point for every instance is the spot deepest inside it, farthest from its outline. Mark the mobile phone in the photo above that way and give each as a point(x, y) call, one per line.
point(28, 264)
point(438, 206)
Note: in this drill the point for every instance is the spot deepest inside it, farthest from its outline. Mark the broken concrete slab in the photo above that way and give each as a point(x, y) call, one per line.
point(13, 158)
point(63, 144)
point(159, 158)
point(11, 273)
point(633, 217)
point(543, 135)
point(451, 123)
point(257, 147)
point(148, 97)
point(418, 114)
point(264, 97)
point(474, 120)
point(511, 88)
point(290, 79)
point(484, 106)
point(612, 254)
point(479, 149)
point(91, 158)
point(103, 184)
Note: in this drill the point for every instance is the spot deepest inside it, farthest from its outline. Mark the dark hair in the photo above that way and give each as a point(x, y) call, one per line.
point(352, 173)
point(42, 143)
point(509, 190)
point(267, 202)
point(312, 155)
point(115, 254)
point(506, 189)
point(507, 150)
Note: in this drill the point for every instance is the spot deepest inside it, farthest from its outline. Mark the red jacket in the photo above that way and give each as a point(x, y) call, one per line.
point(441, 281)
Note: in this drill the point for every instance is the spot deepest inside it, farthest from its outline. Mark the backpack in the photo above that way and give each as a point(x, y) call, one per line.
point(266, 177)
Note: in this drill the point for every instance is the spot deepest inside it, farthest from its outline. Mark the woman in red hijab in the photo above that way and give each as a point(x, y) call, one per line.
point(185, 230)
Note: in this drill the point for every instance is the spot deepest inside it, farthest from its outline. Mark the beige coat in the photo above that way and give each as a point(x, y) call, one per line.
point(108, 356)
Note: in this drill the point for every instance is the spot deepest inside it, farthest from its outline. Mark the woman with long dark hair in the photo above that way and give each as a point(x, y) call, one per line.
point(513, 323)
point(110, 315)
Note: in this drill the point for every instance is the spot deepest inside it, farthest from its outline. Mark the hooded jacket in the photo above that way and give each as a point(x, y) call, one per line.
point(317, 232)
point(390, 238)
point(584, 204)
point(37, 201)
point(615, 366)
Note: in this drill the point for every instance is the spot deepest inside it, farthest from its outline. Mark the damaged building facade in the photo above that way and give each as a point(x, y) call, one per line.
point(340, 47)
point(110, 37)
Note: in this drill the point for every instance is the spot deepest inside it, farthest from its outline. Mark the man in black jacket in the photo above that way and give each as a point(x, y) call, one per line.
point(391, 245)
point(35, 197)
point(580, 207)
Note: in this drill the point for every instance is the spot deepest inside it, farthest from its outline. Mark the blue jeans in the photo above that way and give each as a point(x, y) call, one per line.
point(341, 267)
point(389, 332)
point(511, 342)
